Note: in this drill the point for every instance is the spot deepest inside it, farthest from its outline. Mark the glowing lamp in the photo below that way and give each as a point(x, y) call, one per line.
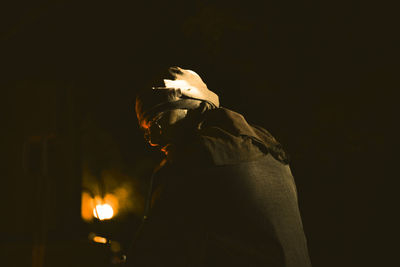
point(103, 212)
point(100, 239)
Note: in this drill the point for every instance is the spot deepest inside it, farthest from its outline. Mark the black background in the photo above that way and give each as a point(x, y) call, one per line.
point(320, 75)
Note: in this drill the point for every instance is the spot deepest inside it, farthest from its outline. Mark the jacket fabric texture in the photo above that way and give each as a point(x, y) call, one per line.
point(224, 196)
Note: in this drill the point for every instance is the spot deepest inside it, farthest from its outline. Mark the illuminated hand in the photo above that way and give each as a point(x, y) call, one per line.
point(191, 85)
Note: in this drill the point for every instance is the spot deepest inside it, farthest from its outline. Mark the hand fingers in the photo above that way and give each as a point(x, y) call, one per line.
point(175, 71)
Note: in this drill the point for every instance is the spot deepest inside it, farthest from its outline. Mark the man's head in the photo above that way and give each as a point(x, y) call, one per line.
point(159, 110)
point(165, 125)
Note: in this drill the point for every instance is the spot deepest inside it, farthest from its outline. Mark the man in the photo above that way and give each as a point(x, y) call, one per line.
point(224, 195)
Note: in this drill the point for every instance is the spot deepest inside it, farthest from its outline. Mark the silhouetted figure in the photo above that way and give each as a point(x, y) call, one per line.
point(224, 194)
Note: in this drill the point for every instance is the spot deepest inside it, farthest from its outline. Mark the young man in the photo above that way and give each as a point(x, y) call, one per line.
point(224, 195)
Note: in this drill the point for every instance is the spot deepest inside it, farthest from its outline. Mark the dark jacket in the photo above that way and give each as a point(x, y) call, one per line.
point(224, 197)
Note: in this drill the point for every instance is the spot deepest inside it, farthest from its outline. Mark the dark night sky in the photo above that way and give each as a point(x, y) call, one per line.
point(320, 75)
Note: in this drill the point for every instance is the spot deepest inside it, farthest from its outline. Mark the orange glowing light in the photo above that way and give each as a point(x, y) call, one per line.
point(97, 207)
point(100, 239)
point(87, 205)
point(103, 211)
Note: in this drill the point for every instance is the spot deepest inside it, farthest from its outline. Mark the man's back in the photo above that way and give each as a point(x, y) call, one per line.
point(225, 198)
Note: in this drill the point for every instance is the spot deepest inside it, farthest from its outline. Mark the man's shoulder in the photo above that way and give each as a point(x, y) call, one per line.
point(229, 138)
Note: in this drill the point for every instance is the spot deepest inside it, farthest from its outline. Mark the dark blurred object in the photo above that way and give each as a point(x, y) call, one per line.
point(43, 216)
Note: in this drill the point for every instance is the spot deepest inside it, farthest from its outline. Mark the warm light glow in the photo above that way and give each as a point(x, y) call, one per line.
point(100, 208)
point(100, 239)
point(103, 212)
point(87, 205)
